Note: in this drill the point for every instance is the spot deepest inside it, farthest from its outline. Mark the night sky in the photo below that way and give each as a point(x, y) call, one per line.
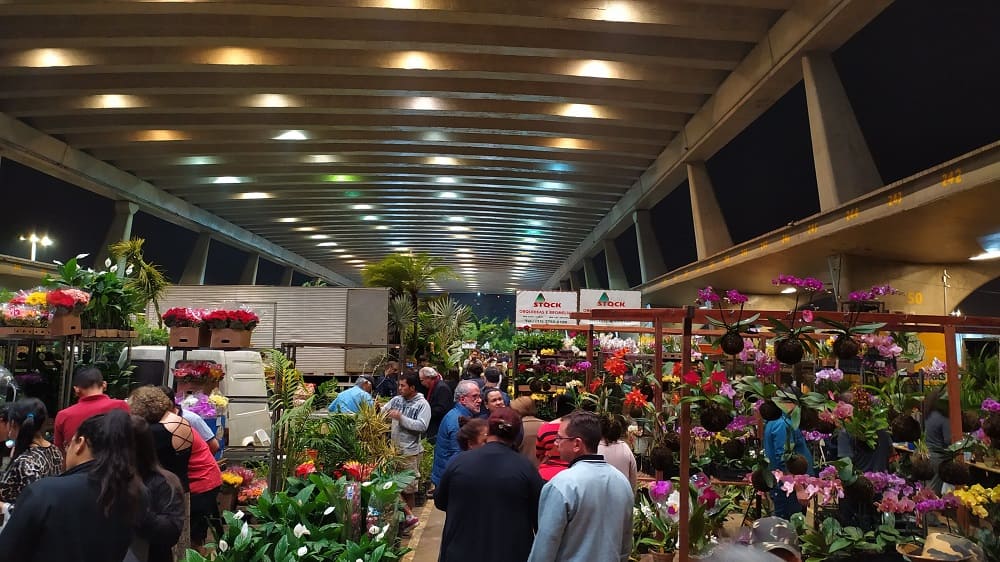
point(921, 77)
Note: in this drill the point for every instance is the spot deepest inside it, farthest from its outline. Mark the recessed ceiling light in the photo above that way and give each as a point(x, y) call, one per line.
point(620, 11)
point(531, 240)
point(465, 255)
point(346, 256)
point(457, 228)
point(456, 219)
point(326, 244)
point(571, 143)
point(545, 200)
point(447, 195)
point(442, 161)
point(319, 236)
point(369, 218)
point(361, 207)
point(235, 56)
point(304, 228)
point(583, 110)
point(597, 69)
point(272, 100)
point(47, 58)
point(289, 219)
point(198, 160)
point(527, 247)
point(228, 180)
point(788, 290)
point(340, 250)
point(320, 159)
point(446, 179)
point(381, 227)
point(522, 258)
point(415, 60)
point(112, 101)
point(553, 185)
point(254, 195)
point(341, 178)
point(395, 242)
point(402, 250)
point(160, 135)
point(292, 135)
point(426, 104)
point(356, 261)
point(460, 236)
point(536, 223)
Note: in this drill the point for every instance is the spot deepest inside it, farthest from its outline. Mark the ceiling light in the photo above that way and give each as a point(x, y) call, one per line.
point(356, 261)
point(415, 60)
point(536, 223)
point(545, 200)
point(290, 219)
point(619, 11)
point(47, 58)
point(465, 255)
point(346, 256)
point(442, 161)
point(456, 219)
point(402, 250)
point(341, 178)
point(319, 236)
point(369, 218)
point(325, 244)
point(361, 207)
point(381, 227)
point(228, 180)
point(559, 167)
point(527, 247)
point(426, 104)
point(531, 240)
point(235, 56)
point(447, 195)
point(522, 258)
point(571, 143)
point(583, 110)
point(320, 159)
point(304, 228)
point(272, 100)
point(553, 185)
point(436, 136)
point(197, 160)
point(395, 242)
point(340, 250)
point(292, 135)
point(597, 69)
point(254, 195)
point(112, 101)
point(160, 135)
point(458, 228)
point(446, 179)
point(987, 255)
point(460, 236)
point(788, 290)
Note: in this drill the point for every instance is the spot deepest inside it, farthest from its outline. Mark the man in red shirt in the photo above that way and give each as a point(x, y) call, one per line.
point(89, 386)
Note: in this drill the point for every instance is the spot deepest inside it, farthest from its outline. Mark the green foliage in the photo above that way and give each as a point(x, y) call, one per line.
point(327, 391)
point(831, 541)
point(426, 461)
point(145, 279)
point(151, 335)
point(112, 299)
point(6, 294)
point(538, 339)
point(499, 334)
point(119, 380)
point(407, 273)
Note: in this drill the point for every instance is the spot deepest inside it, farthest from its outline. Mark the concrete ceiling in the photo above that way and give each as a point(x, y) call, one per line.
point(492, 133)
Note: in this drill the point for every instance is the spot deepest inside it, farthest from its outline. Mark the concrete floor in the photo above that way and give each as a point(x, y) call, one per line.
point(425, 540)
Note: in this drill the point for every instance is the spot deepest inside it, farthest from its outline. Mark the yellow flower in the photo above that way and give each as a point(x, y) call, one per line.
point(36, 299)
point(548, 351)
point(219, 401)
point(721, 438)
point(670, 378)
point(231, 479)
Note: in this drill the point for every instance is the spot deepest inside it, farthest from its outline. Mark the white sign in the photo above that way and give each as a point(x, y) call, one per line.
point(591, 299)
point(545, 307)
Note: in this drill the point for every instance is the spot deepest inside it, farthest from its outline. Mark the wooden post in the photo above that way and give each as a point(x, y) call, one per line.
point(684, 479)
point(590, 356)
point(658, 365)
point(955, 405)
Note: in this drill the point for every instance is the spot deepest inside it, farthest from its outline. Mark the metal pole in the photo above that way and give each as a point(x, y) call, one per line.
point(684, 480)
point(954, 404)
point(658, 366)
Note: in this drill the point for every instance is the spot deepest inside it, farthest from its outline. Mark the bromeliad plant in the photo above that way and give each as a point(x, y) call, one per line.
point(731, 342)
point(791, 343)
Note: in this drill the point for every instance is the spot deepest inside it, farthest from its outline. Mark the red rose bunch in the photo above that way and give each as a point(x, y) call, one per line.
point(182, 317)
point(236, 319)
point(68, 300)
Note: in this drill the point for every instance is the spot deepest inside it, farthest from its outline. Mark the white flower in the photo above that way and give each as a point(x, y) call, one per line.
point(380, 536)
point(359, 560)
point(113, 268)
point(387, 485)
point(373, 530)
point(223, 545)
point(385, 528)
point(239, 514)
point(128, 270)
point(366, 484)
point(302, 551)
point(107, 262)
point(328, 510)
point(245, 531)
point(300, 530)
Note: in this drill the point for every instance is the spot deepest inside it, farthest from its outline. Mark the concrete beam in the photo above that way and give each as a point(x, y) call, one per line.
point(194, 271)
point(249, 275)
point(120, 230)
point(616, 272)
point(43, 152)
point(651, 264)
point(286, 277)
point(711, 233)
point(575, 281)
point(765, 74)
point(590, 274)
point(845, 168)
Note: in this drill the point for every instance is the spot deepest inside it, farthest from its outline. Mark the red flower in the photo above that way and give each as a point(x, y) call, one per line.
point(615, 366)
point(692, 379)
point(305, 469)
point(708, 498)
point(678, 367)
point(635, 399)
point(718, 377)
point(595, 384)
point(709, 388)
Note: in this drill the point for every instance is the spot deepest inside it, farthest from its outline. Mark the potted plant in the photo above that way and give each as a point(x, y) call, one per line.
point(187, 327)
point(846, 346)
point(791, 342)
point(231, 329)
point(731, 342)
point(661, 514)
point(713, 394)
point(66, 305)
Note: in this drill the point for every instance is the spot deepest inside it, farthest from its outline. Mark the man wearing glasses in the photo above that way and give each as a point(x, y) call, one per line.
point(585, 512)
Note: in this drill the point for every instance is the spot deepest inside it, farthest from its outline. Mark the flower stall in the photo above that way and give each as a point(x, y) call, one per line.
point(732, 405)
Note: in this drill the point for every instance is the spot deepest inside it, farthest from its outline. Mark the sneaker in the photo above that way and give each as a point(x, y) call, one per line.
point(409, 523)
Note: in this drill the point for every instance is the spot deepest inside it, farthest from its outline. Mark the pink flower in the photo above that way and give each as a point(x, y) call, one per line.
point(727, 390)
point(807, 315)
point(843, 410)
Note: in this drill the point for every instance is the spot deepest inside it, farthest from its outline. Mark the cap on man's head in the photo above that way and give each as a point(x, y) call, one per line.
point(364, 379)
point(774, 533)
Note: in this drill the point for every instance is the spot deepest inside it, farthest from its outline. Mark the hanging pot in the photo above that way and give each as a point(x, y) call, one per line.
point(734, 449)
point(732, 341)
point(789, 350)
point(769, 411)
point(921, 467)
point(846, 347)
point(991, 427)
point(661, 458)
point(714, 417)
point(904, 429)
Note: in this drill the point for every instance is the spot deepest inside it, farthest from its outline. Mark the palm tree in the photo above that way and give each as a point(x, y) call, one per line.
point(148, 280)
point(407, 274)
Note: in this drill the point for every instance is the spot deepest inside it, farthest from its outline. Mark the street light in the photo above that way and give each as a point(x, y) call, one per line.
point(35, 241)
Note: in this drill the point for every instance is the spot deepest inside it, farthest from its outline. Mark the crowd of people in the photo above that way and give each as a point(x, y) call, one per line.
point(132, 481)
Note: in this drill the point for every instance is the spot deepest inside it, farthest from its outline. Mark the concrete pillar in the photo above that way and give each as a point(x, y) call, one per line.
point(711, 234)
point(286, 277)
point(119, 231)
point(616, 272)
point(194, 271)
point(249, 275)
point(651, 264)
point(590, 278)
point(840, 276)
point(575, 283)
point(845, 168)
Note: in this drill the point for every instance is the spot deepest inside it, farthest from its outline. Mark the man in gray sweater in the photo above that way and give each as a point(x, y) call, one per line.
point(410, 414)
point(585, 512)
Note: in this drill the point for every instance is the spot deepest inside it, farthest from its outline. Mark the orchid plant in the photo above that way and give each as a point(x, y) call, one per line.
point(790, 344)
point(731, 342)
point(845, 346)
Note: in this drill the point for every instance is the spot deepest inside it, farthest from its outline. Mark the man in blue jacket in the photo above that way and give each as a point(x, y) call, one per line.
point(782, 439)
point(349, 401)
point(467, 402)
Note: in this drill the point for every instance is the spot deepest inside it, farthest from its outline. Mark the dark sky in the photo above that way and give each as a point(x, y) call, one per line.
point(922, 78)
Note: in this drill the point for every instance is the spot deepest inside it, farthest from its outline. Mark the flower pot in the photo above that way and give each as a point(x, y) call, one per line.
point(789, 351)
point(904, 429)
point(845, 347)
point(714, 418)
point(64, 324)
point(731, 342)
point(187, 337)
point(227, 338)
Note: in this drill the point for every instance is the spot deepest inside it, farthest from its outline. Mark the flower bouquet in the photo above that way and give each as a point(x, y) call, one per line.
point(197, 376)
point(66, 306)
point(731, 342)
point(231, 328)
point(187, 328)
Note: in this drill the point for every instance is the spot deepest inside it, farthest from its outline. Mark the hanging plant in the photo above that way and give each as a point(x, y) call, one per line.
point(791, 342)
point(731, 342)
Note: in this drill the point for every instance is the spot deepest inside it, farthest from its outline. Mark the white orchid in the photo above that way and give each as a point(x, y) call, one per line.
point(300, 530)
point(128, 270)
point(373, 530)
